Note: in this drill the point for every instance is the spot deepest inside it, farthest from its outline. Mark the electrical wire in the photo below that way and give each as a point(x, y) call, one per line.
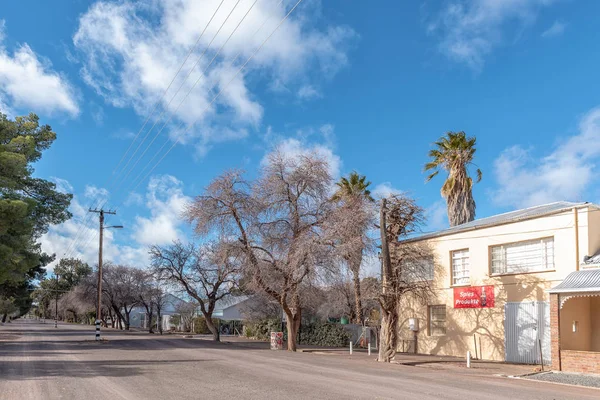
point(98, 199)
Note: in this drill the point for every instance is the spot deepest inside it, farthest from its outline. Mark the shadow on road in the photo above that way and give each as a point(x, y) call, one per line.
point(14, 370)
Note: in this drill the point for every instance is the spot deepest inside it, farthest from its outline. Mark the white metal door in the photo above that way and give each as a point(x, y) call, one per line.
point(525, 324)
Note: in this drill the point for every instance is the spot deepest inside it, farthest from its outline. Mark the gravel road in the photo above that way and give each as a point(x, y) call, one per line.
point(39, 361)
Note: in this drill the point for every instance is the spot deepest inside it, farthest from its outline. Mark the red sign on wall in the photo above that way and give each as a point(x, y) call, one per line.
point(474, 297)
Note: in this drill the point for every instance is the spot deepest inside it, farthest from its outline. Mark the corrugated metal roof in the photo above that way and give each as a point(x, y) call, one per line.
point(512, 216)
point(587, 280)
point(590, 260)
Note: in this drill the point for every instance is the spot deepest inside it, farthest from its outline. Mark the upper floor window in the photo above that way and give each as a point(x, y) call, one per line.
point(460, 267)
point(528, 256)
point(419, 270)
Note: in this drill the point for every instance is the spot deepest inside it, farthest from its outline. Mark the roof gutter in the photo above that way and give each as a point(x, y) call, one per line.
point(475, 228)
point(576, 224)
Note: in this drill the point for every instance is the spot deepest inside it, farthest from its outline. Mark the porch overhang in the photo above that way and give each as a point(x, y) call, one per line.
point(584, 281)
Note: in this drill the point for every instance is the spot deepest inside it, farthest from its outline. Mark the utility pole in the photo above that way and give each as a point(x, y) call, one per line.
point(56, 303)
point(99, 304)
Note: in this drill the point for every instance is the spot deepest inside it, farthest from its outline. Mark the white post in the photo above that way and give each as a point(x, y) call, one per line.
point(468, 359)
point(350, 348)
point(369, 348)
point(97, 330)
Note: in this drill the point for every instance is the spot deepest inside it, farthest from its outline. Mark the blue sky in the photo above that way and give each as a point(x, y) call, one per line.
point(369, 86)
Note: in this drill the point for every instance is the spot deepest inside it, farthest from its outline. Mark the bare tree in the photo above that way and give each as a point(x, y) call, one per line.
point(120, 286)
point(159, 301)
point(279, 222)
point(350, 223)
point(147, 292)
point(404, 266)
point(186, 311)
point(207, 273)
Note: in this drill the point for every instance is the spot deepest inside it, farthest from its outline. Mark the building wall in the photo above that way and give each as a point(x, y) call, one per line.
point(595, 317)
point(488, 323)
point(576, 309)
point(593, 221)
point(580, 361)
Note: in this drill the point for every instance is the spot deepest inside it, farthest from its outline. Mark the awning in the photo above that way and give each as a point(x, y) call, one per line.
point(584, 281)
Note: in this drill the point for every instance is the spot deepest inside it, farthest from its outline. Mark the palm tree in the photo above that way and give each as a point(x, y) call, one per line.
point(353, 186)
point(353, 191)
point(454, 153)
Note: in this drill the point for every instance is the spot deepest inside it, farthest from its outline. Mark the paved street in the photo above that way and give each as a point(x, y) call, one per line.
point(38, 361)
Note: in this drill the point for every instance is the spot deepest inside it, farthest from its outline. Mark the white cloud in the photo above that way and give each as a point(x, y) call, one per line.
point(437, 216)
point(96, 193)
point(308, 92)
point(565, 174)
point(384, 190)
point(166, 202)
point(557, 29)
point(470, 29)
point(62, 185)
point(131, 50)
point(78, 237)
point(28, 81)
point(293, 147)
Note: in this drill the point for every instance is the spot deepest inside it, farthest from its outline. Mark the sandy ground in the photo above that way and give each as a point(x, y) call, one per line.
point(38, 361)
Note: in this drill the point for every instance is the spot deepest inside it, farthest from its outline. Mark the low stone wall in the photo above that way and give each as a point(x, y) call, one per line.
point(580, 361)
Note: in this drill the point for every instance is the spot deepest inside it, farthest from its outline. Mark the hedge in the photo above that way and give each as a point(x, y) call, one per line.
point(200, 327)
point(316, 334)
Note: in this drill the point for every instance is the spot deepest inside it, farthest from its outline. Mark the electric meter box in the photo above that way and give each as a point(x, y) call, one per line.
point(413, 324)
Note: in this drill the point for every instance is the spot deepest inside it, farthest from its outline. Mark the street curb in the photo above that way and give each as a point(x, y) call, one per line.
point(524, 378)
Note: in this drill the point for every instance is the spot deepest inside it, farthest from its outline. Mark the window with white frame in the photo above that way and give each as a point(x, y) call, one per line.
point(437, 320)
point(520, 257)
point(419, 270)
point(460, 267)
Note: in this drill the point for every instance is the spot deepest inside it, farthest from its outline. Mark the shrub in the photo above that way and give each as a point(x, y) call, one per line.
point(317, 334)
point(200, 327)
point(262, 329)
point(323, 334)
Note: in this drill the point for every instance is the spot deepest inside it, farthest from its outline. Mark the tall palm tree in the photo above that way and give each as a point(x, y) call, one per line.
point(454, 153)
point(352, 192)
point(354, 186)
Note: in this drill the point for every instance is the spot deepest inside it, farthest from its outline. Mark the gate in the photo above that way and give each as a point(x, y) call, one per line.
point(524, 325)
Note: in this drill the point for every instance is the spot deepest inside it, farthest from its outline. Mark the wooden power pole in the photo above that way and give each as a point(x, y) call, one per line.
point(101, 212)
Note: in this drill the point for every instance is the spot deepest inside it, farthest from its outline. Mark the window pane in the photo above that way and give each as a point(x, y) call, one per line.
point(460, 267)
point(532, 255)
point(437, 320)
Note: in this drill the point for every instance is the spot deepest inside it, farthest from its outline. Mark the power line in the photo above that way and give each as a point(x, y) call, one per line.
point(174, 95)
point(97, 199)
point(223, 88)
point(180, 86)
point(195, 83)
point(214, 98)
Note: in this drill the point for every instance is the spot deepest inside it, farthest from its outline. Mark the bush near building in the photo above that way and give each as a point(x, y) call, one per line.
point(317, 333)
point(200, 327)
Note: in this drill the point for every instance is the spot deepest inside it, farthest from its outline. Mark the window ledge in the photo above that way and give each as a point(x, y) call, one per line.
point(523, 273)
point(460, 285)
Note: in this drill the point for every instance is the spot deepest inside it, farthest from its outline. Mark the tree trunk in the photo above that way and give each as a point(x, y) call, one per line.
point(126, 319)
point(4, 318)
point(212, 328)
point(293, 325)
point(389, 312)
point(149, 321)
point(388, 335)
point(357, 297)
point(159, 322)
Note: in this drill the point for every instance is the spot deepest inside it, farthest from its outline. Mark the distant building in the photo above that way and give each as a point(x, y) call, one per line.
point(492, 280)
point(139, 318)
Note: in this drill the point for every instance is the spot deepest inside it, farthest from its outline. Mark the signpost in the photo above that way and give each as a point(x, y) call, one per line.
point(474, 297)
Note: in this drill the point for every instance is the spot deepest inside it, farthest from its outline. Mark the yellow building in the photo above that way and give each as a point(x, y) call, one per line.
point(491, 280)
